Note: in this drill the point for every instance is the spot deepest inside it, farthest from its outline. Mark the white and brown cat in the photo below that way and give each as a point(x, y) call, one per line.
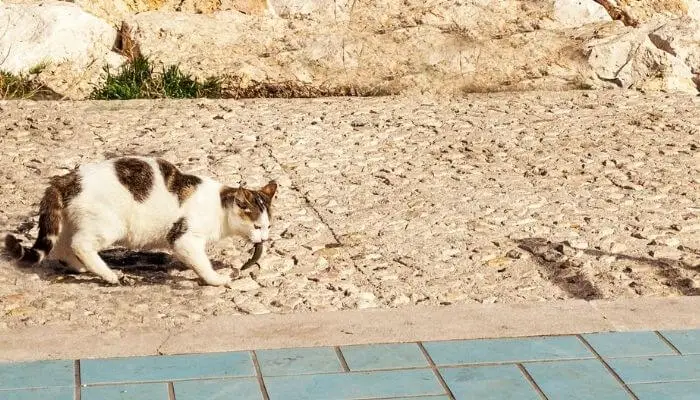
point(142, 203)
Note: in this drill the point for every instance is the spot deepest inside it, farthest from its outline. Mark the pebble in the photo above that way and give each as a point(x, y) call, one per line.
point(246, 284)
point(665, 241)
point(578, 244)
point(617, 247)
point(254, 307)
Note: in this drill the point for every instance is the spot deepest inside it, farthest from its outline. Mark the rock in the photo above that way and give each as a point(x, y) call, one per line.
point(366, 300)
point(573, 13)
point(400, 300)
point(115, 11)
point(253, 307)
point(65, 45)
point(577, 244)
point(665, 241)
point(246, 284)
point(251, 7)
point(629, 59)
point(645, 10)
point(617, 248)
point(680, 38)
point(667, 253)
point(514, 254)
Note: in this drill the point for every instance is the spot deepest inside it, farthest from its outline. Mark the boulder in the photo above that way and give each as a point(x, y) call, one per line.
point(52, 33)
point(631, 59)
point(65, 46)
point(680, 38)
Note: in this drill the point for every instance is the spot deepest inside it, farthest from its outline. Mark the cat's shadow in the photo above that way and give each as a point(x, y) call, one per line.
point(138, 268)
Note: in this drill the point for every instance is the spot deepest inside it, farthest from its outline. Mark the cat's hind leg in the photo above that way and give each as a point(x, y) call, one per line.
point(191, 250)
point(64, 254)
point(85, 249)
point(73, 263)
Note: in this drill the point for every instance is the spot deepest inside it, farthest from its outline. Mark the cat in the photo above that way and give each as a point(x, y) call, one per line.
point(142, 203)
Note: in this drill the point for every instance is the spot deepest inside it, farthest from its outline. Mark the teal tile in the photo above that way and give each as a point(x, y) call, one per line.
point(298, 361)
point(36, 374)
point(506, 350)
point(667, 390)
point(576, 380)
point(219, 389)
point(384, 356)
point(355, 385)
point(144, 391)
point(53, 393)
point(686, 341)
point(657, 369)
point(494, 382)
point(166, 368)
point(422, 398)
point(628, 344)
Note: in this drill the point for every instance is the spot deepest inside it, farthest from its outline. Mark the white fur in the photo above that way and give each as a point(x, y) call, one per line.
point(105, 213)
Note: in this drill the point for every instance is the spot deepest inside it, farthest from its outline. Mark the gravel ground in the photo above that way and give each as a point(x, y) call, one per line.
point(383, 202)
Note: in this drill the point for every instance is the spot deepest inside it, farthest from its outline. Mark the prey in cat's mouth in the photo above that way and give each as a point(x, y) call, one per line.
point(143, 203)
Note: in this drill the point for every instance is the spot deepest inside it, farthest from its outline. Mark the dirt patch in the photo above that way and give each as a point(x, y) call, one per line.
point(383, 202)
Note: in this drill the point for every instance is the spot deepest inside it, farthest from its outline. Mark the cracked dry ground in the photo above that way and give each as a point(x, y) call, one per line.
point(383, 202)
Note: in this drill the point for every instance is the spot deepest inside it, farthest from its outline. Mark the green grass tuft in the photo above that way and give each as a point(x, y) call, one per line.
point(138, 80)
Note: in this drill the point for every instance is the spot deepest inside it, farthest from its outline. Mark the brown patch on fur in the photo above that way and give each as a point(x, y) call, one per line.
point(136, 175)
point(182, 185)
point(177, 230)
point(251, 203)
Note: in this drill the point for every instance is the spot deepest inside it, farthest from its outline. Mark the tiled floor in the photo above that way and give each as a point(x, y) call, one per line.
point(633, 365)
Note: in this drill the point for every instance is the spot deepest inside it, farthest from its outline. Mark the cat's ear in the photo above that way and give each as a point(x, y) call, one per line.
point(269, 189)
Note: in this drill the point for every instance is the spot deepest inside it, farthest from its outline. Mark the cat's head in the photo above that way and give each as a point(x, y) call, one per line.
point(248, 211)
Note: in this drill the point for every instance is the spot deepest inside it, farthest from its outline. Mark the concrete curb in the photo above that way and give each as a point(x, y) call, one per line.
point(231, 333)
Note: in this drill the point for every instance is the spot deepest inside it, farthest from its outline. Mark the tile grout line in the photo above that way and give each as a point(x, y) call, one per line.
point(437, 373)
point(258, 374)
point(668, 343)
point(608, 367)
point(341, 358)
point(76, 371)
point(530, 379)
point(171, 391)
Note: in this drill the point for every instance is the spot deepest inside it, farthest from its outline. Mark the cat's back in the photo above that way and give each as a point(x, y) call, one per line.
point(124, 182)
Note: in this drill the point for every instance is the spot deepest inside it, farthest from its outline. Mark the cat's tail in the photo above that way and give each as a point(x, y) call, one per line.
point(50, 219)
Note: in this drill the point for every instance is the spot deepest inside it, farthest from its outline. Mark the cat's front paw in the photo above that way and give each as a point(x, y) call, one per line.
point(111, 278)
point(218, 280)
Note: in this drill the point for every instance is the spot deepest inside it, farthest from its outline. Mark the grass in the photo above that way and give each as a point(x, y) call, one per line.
point(138, 80)
point(17, 86)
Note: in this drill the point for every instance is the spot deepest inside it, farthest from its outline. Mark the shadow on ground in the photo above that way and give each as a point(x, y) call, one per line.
point(567, 274)
point(138, 268)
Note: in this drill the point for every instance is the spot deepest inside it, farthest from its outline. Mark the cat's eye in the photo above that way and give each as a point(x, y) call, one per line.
point(256, 226)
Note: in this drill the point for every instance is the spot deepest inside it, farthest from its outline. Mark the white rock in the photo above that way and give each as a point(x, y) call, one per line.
point(573, 13)
point(52, 32)
point(631, 60)
point(254, 308)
